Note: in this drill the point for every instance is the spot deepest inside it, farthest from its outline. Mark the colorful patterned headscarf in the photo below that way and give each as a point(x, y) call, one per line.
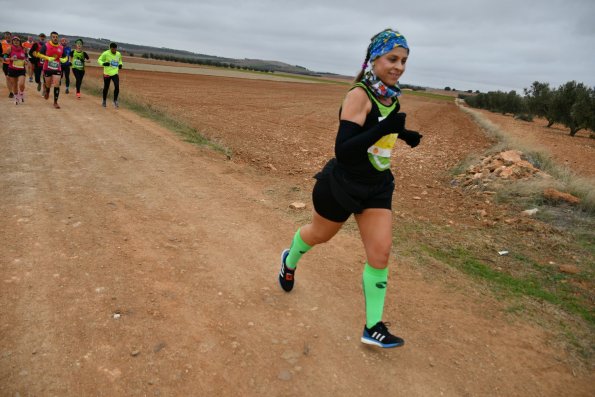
point(384, 42)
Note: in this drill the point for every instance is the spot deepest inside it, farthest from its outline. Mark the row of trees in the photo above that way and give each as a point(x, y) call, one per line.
point(572, 104)
point(200, 61)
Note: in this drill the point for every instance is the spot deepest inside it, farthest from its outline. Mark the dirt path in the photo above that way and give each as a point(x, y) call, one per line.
point(134, 264)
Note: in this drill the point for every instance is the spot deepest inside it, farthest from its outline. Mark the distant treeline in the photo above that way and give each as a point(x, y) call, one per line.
point(208, 62)
point(412, 87)
point(572, 104)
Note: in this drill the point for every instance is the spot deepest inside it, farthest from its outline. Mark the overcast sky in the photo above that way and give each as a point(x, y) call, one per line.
point(464, 44)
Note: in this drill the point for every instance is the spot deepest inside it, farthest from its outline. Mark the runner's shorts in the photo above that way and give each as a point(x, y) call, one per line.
point(15, 72)
point(336, 196)
point(49, 73)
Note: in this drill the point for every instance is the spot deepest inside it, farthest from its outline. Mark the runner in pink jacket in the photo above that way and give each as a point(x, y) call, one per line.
point(17, 60)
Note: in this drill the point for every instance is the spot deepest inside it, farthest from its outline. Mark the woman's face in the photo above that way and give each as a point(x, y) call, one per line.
point(390, 67)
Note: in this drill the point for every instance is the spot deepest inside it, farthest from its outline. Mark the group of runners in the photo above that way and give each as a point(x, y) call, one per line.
point(48, 63)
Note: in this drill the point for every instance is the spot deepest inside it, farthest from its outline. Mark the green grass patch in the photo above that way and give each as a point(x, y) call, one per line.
point(309, 78)
point(515, 308)
point(542, 285)
point(188, 133)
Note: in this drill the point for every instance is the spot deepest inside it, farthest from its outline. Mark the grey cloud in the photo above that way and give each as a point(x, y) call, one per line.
point(486, 44)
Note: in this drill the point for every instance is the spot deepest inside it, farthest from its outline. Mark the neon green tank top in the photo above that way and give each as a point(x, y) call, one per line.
point(78, 60)
point(379, 153)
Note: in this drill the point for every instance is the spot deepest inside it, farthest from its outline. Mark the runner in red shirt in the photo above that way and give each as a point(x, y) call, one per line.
point(52, 69)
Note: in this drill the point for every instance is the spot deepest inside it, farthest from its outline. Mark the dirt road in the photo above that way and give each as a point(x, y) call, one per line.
point(135, 264)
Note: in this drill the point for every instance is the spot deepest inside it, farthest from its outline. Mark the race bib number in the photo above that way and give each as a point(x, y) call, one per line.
point(18, 63)
point(54, 65)
point(115, 63)
point(78, 63)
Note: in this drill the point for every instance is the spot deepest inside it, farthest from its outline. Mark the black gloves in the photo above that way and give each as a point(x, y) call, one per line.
point(411, 138)
point(394, 123)
point(119, 66)
point(106, 63)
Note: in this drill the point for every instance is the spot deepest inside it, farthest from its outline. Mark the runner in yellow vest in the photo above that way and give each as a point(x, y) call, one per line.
point(111, 60)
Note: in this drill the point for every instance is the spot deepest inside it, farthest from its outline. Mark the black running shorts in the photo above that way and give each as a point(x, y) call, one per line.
point(49, 73)
point(332, 202)
point(15, 72)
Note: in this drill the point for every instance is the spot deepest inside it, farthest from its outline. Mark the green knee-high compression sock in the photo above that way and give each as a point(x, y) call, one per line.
point(374, 284)
point(297, 249)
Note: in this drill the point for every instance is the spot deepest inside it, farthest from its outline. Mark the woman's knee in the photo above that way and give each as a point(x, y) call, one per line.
point(379, 255)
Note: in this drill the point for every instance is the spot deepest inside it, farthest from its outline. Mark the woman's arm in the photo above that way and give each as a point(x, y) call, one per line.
point(351, 139)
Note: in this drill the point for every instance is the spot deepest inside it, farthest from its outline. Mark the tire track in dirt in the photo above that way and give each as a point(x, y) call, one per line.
point(133, 264)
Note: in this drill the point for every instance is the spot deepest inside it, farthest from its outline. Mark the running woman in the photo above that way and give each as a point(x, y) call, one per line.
point(37, 62)
point(78, 58)
point(5, 52)
point(27, 46)
point(17, 59)
point(359, 180)
point(111, 60)
point(51, 53)
point(66, 65)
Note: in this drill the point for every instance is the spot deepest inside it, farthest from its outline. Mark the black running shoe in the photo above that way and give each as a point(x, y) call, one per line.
point(286, 275)
point(11, 95)
point(378, 335)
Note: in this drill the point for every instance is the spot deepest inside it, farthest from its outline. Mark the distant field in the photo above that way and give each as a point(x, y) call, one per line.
point(432, 95)
point(153, 65)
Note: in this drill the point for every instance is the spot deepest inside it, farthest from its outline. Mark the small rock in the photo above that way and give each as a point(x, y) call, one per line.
point(159, 346)
point(530, 212)
point(416, 198)
point(502, 253)
point(482, 213)
point(297, 205)
point(569, 269)
point(556, 196)
point(511, 156)
point(135, 353)
point(284, 375)
point(271, 167)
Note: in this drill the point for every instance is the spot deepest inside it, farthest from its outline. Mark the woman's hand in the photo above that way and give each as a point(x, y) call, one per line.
point(394, 123)
point(411, 138)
